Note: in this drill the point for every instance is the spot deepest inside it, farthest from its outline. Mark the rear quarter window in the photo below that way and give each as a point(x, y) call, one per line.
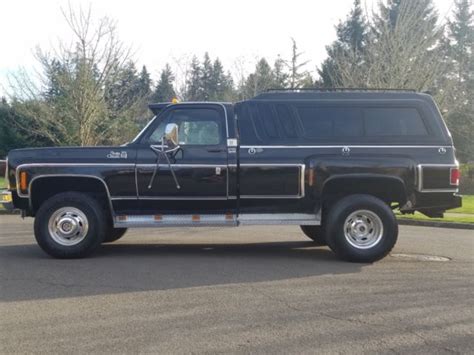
point(335, 123)
point(393, 122)
point(329, 122)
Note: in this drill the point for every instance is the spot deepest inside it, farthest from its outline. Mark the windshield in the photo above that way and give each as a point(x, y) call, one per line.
point(143, 129)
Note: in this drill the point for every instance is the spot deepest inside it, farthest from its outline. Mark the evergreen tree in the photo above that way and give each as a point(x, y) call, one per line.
point(144, 82)
point(260, 80)
point(206, 78)
point(193, 83)
point(460, 41)
point(221, 84)
point(279, 74)
point(164, 90)
point(351, 39)
point(404, 54)
point(124, 89)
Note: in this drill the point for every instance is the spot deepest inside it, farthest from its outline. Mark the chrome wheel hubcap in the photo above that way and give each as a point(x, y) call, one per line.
point(68, 226)
point(363, 229)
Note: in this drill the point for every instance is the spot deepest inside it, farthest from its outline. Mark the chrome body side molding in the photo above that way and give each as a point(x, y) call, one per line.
point(218, 220)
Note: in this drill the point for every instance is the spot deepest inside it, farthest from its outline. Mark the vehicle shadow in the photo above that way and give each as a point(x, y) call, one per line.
point(27, 273)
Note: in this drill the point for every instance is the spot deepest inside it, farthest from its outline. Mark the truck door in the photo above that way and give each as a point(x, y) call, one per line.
point(200, 166)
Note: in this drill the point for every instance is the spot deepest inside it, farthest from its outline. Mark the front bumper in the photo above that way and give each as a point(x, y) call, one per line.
point(6, 200)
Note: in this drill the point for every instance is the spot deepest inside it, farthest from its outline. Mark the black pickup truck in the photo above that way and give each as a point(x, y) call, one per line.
point(336, 163)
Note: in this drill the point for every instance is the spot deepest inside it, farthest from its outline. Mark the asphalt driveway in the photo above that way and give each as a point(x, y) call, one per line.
point(252, 289)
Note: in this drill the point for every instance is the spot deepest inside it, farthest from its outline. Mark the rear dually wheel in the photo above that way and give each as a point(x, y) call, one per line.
point(361, 228)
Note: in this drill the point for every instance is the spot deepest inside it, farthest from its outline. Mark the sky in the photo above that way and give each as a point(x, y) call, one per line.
point(237, 31)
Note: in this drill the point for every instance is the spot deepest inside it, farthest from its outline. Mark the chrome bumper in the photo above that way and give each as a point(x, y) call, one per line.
point(6, 200)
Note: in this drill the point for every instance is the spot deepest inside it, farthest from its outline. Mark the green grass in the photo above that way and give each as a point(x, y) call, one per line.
point(447, 218)
point(464, 214)
point(467, 205)
point(3, 183)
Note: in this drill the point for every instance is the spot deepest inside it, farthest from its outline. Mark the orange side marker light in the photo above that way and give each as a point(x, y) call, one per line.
point(23, 181)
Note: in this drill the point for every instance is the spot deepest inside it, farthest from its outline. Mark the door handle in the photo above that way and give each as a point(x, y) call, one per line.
point(215, 150)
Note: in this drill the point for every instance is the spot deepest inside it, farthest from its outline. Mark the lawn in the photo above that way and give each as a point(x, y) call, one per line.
point(464, 214)
point(447, 218)
point(467, 205)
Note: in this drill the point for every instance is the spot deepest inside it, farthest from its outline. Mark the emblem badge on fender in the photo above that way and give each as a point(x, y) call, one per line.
point(117, 155)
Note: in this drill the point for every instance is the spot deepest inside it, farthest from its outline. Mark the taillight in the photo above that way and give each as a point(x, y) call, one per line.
point(455, 176)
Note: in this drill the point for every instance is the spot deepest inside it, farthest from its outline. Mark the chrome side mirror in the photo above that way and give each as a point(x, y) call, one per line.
point(171, 136)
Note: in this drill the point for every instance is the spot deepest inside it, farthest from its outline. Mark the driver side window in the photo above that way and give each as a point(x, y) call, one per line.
point(196, 127)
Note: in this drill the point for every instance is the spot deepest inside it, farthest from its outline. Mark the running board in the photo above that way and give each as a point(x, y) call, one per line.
point(218, 220)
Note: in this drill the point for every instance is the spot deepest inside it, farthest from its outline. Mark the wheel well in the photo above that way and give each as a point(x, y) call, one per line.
point(388, 189)
point(45, 187)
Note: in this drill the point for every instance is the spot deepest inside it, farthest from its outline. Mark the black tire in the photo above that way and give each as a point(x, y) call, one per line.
point(114, 234)
point(315, 233)
point(90, 237)
point(370, 212)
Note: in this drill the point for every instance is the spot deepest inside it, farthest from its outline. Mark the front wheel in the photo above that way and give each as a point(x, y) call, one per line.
point(70, 225)
point(361, 228)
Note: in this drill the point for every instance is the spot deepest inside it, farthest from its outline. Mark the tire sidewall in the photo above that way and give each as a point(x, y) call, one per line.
point(95, 218)
point(335, 228)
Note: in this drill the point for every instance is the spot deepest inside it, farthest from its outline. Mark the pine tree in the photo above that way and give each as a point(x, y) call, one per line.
point(193, 83)
point(460, 42)
point(144, 83)
point(206, 78)
point(221, 84)
point(351, 39)
point(389, 14)
point(404, 54)
point(260, 80)
point(164, 90)
point(124, 89)
point(279, 74)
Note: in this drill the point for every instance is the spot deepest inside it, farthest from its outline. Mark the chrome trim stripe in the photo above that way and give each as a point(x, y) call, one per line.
point(420, 178)
point(246, 197)
point(341, 146)
point(279, 219)
point(76, 164)
point(301, 184)
point(194, 198)
point(184, 165)
point(22, 166)
point(270, 164)
point(69, 175)
point(223, 198)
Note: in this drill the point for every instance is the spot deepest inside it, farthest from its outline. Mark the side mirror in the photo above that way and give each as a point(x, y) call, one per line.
point(171, 137)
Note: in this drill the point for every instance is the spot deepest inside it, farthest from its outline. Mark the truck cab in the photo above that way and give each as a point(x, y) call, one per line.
point(335, 163)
